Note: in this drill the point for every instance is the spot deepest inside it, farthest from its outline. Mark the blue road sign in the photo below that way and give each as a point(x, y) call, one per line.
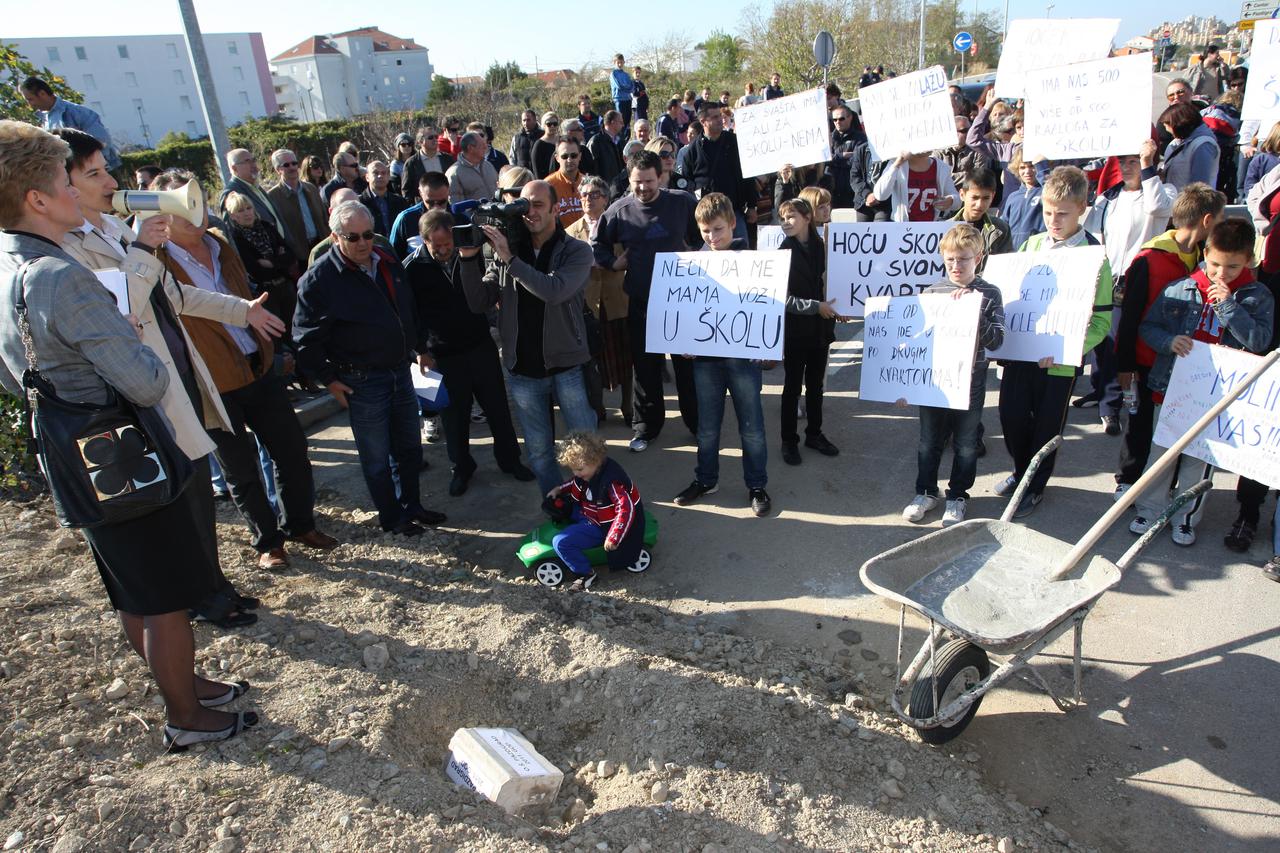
point(962, 42)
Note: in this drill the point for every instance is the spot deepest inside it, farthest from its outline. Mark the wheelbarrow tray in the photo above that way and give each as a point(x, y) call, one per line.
point(987, 581)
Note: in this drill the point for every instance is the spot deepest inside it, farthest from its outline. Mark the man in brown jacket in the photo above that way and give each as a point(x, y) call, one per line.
point(299, 205)
point(242, 364)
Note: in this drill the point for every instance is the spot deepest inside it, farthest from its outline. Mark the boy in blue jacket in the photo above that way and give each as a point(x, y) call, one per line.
point(621, 88)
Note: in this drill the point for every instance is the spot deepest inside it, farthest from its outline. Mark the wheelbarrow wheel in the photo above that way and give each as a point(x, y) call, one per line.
point(549, 573)
point(960, 665)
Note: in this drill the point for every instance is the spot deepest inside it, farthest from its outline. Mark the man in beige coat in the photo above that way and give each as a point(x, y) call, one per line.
point(305, 220)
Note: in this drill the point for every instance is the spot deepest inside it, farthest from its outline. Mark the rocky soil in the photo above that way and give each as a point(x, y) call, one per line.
point(674, 735)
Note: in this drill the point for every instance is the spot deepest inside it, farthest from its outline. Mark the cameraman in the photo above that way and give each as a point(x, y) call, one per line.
point(539, 281)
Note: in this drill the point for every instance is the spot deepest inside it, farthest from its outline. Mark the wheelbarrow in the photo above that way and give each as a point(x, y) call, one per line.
point(990, 587)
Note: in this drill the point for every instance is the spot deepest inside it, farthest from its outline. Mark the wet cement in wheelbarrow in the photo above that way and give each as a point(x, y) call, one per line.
point(994, 591)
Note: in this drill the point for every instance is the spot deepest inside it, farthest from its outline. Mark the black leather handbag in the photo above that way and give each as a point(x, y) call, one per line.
point(104, 463)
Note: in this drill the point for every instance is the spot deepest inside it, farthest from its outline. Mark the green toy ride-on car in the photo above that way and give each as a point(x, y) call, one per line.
point(542, 561)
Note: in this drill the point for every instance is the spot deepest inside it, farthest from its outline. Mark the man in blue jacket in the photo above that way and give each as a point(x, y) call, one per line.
point(357, 334)
point(56, 113)
point(621, 89)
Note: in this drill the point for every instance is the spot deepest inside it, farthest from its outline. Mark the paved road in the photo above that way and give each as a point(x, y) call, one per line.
point(1175, 748)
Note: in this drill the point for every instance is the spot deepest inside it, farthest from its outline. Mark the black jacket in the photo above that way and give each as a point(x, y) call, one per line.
point(522, 148)
point(446, 322)
point(863, 174)
point(607, 155)
point(414, 169)
point(543, 156)
point(805, 282)
point(842, 142)
point(715, 167)
point(346, 319)
point(395, 206)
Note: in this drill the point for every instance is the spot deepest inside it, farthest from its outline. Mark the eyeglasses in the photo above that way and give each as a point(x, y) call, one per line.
point(842, 118)
point(356, 238)
point(570, 156)
point(441, 203)
point(410, 144)
point(593, 194)
point(667, 155)
point(292, 165)
point(553, 124)
point(452, 129)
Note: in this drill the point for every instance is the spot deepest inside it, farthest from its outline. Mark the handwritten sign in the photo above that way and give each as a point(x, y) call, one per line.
point(1245, 439)
point(920, 348)
point(792, 130)
point(1035, 43)
point(769, 237)
point(1048, 300)
point(910, 113)
point(866, 259)
point(1262, 95)
point(1090, 109)
point(718, 303)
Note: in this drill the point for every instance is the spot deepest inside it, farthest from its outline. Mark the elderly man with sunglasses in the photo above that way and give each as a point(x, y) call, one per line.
point(357, 333)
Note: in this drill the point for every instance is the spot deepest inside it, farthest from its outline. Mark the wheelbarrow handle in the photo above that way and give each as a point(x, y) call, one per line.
point(1050, 446)
point(1157, 469)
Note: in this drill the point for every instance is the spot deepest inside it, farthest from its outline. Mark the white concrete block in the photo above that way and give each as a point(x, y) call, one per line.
point(504, 767)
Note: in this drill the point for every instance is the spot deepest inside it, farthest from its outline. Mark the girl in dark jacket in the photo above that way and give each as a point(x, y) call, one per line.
point(810, 330)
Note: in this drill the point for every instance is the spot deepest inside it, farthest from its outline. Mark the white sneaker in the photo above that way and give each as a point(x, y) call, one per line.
point(1183, 534)
point(1005, 487)
point(431, 429)
point(919, 508)
point(477, 414)
point(638, 445)
point(1121, 488)
point(954, 513)
point(1139, 525)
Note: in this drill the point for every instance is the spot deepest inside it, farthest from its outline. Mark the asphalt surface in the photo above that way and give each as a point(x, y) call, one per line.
point(1173, 748)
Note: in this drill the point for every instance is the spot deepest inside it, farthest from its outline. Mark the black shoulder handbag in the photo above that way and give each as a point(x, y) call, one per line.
point(104, 463)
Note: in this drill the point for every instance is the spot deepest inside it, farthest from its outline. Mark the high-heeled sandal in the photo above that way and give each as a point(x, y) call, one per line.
point(177, 739)
point(234, 691)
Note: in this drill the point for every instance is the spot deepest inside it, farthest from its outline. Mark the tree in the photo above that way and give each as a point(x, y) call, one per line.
point(441, 91)
point(14, 68)
point(501, 76)
point(722, 56)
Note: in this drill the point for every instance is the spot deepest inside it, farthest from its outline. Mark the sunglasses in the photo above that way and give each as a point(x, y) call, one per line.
point(452, 129)
point(442, 203)
point(553, 124)
point(667, 155)
point(570, 156)
point(292, 165)
point(356, 238)
point(410, 144)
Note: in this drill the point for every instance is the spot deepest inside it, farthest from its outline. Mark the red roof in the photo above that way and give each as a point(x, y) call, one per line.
point(320, 44)
point(307, 47)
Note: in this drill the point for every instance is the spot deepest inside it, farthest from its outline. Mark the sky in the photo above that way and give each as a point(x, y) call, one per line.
point(464, 38)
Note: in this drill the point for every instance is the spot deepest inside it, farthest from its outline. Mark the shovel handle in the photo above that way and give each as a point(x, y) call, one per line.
point(1100, 527)
point(1158, 523)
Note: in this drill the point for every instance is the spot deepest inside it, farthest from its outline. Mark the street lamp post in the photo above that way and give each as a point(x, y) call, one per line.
point(922, 10)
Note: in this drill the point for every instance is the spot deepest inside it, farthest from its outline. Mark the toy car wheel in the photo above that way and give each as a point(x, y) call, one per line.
point(642, 562)
point(549, 573)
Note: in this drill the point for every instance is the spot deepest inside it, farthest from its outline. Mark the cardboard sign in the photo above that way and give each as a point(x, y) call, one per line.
point(718, 303)
point(920, 348)
point(1090, 109)
point(792, 130)
point(910, 113)
point(1048, 300)
point(1245, 439)
point(1035, 43)
point(866, 259)
point(1262, 95)
point(769, 237)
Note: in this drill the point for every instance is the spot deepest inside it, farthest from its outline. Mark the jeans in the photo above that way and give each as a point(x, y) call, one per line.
point(742, 379)
point(476, 374)
point(624, 107)
point(649, 408)
point(533, 397)
point(807, 365)
point(219, 479)
point(935, 425)
point(383, 408)
point(572, 541)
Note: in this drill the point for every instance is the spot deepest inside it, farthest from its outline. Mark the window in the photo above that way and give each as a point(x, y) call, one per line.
point(386, 81)
point(239, 72)
point(192, 130)
point(402, 80)
point(131, 79)
point(88, 82)
point(185, 101)
point(81, 55)
point(399, 62)
point(179, 77)
point(53, 55)
point(171, 49)
point(123, 50)
point(244, 99)
point(233, 48)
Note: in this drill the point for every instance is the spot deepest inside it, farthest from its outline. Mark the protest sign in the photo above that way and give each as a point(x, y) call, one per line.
point(1035, 43)
point(1244, 439)
point(769, 237)
point(910, 113)
point(1048, 300)
point(866, 259)
point(1262, 95)
point(920, 348)
point(1089, 109)
point(792, 130)
point(718, 303)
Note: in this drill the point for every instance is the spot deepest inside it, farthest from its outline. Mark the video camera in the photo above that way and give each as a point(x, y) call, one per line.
point(506, 216)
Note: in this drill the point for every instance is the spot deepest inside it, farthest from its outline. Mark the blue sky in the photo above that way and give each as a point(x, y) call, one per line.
point(464, 37)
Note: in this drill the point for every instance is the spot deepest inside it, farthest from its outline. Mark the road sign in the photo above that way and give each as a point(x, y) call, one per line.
point(1254, 10)
point(963, 40)
point(824, 48)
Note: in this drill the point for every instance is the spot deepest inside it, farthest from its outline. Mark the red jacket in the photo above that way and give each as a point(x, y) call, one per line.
point(1156, 267)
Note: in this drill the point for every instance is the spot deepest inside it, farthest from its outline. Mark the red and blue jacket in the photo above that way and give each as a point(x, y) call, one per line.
point(610, 500)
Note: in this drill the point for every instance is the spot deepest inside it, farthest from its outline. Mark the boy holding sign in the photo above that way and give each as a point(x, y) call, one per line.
point(1034, 395)
point(962, 249)
point(740, 377)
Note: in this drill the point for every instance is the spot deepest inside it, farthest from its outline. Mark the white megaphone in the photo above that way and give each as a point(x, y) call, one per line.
point(186, 201)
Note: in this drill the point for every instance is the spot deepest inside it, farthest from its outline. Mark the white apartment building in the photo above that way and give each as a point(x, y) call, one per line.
point(351, 73)
point(144, 86)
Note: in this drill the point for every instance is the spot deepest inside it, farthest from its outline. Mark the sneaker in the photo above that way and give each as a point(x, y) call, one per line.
point(638, 445)
point(954, 513)
point(1139, 525)
point(819, 443)
point(431, 429)
point(760, 502)
point(791, 452)
point(1027, 505)
point(1088, 401)
point(583, 582)
point(1271, 568)
point(477, 414)
point(920, 506)
point(1240, 536)
point(1111, 424)
point(1005, 487)
point(695, 491)
point(1121, 488)
point(1184, 535)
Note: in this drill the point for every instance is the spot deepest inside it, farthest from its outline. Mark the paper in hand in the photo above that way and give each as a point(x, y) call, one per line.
point(117, 285)
point(426, 385)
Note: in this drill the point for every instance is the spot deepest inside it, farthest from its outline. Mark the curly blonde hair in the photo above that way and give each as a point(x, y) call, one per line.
point(580, 449)
point(30, 159)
